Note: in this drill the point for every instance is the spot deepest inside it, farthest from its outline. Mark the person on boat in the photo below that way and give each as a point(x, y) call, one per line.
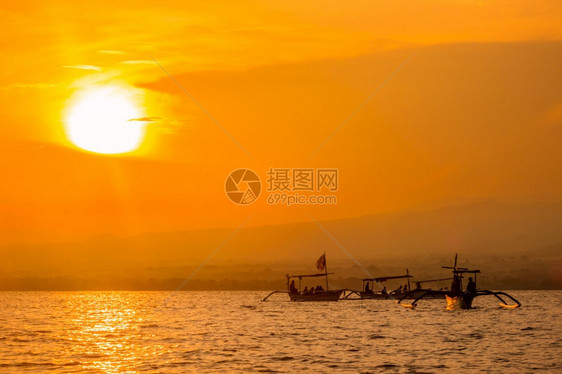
point(456, 288)
point(367, 288)
point(418, 285)
point(471, 287)
point(384, 291)
point(305, 291)
point(405, 289)
point(398, 290)
point(319, 288)
point(292, 287)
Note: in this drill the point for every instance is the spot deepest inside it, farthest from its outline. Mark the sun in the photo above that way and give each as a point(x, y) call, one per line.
point(106, 120)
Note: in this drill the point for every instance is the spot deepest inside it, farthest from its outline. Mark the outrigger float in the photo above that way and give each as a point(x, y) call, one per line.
point(456, 297)
point(296, 293)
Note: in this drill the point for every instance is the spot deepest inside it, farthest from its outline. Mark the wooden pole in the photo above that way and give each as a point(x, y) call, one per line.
point(326, 271)
point(408, 273)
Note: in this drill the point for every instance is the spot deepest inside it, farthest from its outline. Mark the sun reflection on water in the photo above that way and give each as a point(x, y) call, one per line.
point(106, 335)
point(209, 332)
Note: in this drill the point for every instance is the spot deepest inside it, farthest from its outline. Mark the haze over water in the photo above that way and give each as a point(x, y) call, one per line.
point(235, 332)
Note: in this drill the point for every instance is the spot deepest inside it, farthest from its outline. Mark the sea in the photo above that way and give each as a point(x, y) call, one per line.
point(236, 332)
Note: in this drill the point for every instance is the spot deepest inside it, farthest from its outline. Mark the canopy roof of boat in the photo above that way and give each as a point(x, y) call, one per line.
point(467, 271)
point(307, 275)
point(433, 280)
point(383, 279)
point(460, 270)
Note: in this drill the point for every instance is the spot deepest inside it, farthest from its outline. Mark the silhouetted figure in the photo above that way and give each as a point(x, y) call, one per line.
point(471, 287)
point(292, 287)
point(456, 288)
point(398, 290)
point(405, 289)
point(418, 285)
point(367, 288)
point(384, 291)
point(319, 288)
point(305, 291)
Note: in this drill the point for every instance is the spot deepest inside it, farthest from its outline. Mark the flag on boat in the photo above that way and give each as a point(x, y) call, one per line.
point(321, 262)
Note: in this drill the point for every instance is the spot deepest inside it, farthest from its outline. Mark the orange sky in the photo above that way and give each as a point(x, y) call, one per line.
point(475, 113)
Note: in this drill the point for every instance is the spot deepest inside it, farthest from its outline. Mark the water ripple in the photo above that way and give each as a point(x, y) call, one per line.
point(204, 332)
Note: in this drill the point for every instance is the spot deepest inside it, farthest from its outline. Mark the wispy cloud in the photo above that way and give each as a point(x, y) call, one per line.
point(83, 67)
point(111, 52)
point(136, 62)
point(146, 119)
point(28, 85)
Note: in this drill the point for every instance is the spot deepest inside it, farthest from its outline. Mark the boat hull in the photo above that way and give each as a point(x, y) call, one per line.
point(317, 296)
point(463, 301)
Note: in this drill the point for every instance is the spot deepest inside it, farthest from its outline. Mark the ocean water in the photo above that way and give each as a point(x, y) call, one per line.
point(116, 332)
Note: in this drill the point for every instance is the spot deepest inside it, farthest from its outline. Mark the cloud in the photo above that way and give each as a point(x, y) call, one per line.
point(28, 85)
point(137, 62)
point(146, 119)
point(83, 67)
point(111, 52)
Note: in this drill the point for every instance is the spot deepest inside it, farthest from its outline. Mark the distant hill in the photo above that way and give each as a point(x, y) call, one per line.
point(524, 234)
point(487, 227)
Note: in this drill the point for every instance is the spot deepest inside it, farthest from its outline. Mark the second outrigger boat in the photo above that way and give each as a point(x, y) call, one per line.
point(368, 289)
point(368, 292)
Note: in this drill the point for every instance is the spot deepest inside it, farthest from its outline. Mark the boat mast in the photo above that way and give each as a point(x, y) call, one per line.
point(326, 270)
point(408, 278)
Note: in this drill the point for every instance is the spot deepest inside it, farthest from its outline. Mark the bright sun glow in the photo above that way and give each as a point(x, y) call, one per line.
point(106, 120)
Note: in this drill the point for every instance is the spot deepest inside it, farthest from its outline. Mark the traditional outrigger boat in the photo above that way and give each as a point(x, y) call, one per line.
point(296, 293)
point(456, 297)
point(367, 290)
point(369, 283)
point(428, 293)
